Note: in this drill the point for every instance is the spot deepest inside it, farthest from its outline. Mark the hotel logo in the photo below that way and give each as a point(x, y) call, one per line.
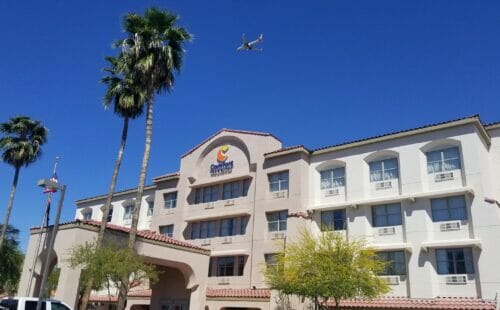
point(223, 166)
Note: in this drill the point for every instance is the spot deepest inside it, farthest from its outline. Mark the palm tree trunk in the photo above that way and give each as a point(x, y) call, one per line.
point(105, 209)
point(138, 197)
point(9, 207)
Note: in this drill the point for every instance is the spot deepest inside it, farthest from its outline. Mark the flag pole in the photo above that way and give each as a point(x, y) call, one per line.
point(44, 224)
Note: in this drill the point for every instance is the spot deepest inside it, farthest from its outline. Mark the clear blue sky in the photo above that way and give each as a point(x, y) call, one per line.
point(331, 71)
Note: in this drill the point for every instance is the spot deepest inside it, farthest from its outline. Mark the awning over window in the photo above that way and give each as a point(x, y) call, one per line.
point(451, 244)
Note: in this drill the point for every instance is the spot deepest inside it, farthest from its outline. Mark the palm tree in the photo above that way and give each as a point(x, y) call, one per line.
point(153, 55)
point(128, 102)
point(21, 146)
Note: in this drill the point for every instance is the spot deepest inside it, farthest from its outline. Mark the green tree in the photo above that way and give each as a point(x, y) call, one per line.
point(327, 267)
point(12, 262)
point(152, 53)
point(111, 265)
point(127, 102)
point(21, 146)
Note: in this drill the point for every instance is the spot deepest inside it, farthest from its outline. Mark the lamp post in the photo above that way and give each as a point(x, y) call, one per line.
point(48, 184)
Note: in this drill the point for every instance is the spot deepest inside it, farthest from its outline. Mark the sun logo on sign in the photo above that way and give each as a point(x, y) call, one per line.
point(222, 153)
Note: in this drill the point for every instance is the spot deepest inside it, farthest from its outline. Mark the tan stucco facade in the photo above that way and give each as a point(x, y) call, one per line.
point(243, 196)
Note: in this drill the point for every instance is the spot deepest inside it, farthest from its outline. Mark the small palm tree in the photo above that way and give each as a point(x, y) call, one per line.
point(153, 53)
point(20, 146)
point(128, 102)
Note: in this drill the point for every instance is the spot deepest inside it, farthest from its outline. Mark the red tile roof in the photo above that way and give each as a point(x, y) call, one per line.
point(260, 293)
point(442, 303)
point(172, 175)
point(288, 148)
point(472, 117)
point(255, 133)
point(146, 234)
point(112, 298)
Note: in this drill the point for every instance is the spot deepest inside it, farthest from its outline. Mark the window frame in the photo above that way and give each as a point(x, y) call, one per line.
point(383, 171)
point(386, 215)
point(87, 214)
point(110, 215)
point(169, 228)
point(128, 215)
point(332, 178)
point(392, 267)
point(280, 181)
point(441, 162)
point(170, 200)
point(225, 266)
point(280, 222)
point(449, 209)
point(335, 226)
point(467, 261)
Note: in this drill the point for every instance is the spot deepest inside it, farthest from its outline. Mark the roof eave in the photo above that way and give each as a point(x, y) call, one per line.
point(287, 152)
point(472, 120)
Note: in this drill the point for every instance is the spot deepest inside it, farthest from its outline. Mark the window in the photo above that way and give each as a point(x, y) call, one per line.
point(128, 210)
point(225, 266)
point(170, 200)
point(208, 229)
point(333, 178)
point(395, 263)
point(195, 233)
point(443, 160)
point(212, 232)
point(211, 266)
point(271, 260)
point(227, 228)
point(58, 306)
point(382, 170)
point(448, 209)
point(87, 214)
point(167, 230)
point(243, 225)
point(276, 221)
point(333, 220)
point(241, 265)
point(203, 230)
point(231, 190)
point(110, 215)
point(211, 193)
point(151, 207)
point(386, 215)
point(246, 186)
point(31, 305)
point(454, 261)
point(198, 195)
point(278, 181)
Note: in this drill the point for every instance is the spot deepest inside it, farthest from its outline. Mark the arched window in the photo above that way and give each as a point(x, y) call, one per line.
point(382, 170)
point(332, 178)
point(445, 159)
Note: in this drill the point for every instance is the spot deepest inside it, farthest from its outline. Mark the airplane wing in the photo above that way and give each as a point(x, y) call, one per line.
point(240, 48)
point(244, 39)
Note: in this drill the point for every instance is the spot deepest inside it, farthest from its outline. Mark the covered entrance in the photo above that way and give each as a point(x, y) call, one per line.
point(183, 267)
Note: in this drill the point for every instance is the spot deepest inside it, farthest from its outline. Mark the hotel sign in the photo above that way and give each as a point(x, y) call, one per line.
point(223, 166)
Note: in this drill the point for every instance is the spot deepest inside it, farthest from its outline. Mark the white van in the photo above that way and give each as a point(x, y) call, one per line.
point(29, 303)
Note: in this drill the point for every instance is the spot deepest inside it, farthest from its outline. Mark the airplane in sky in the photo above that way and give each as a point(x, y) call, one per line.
point(247, 46)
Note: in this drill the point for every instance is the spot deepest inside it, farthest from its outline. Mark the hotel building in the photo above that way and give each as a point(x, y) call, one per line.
point(424, 198)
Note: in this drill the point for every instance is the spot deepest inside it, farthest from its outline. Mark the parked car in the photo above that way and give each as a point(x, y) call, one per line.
point(29, 303)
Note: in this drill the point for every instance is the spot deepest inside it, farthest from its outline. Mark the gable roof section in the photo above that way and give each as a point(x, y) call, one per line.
point(245, 132)
point(288, 150)
point(144, 234)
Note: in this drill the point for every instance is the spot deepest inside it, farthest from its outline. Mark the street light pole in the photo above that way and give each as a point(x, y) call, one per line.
point(45, 275)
